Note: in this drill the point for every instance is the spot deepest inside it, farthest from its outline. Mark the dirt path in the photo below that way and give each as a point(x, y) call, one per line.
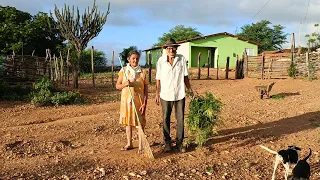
point(84, 141)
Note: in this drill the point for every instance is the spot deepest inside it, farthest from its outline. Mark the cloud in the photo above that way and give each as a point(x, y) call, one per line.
point(200, 12)
point(221, 15)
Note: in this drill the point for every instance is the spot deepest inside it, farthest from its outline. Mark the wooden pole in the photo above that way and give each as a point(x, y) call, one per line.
point(307, 63)
point(61, 70)
point(292, 47)
point(112, 70)
point(50, 61)
point(217, 73)
point(262, 68)
point(55, 68)
point(227, 67)
point(237, 67)
point(150, 66)
point(245, 66)
point(199, 70)
point(68, 77)
point(208, 75)
point(92, 65)
point(47, 58)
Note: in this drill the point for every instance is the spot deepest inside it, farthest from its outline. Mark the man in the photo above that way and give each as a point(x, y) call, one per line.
point(172, 77)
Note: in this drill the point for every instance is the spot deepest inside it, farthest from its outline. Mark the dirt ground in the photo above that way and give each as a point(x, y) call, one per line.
point(83, 142)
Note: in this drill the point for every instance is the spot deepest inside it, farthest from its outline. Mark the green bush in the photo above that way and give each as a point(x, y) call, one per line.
point(41, 98)
point(203, 117)
point(65, 98)
point(44, 84)
point(45, 94)
point(292, 72)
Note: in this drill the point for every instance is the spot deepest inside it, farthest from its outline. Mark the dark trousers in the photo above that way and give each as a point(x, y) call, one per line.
point(167, 107)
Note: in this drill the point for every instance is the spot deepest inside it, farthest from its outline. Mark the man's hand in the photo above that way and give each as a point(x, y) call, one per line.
point(157, 99)
point(143, 109)
point(190, 92)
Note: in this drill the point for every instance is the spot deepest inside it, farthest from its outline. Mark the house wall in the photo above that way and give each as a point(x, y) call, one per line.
point(155, 54)
point(226, 46)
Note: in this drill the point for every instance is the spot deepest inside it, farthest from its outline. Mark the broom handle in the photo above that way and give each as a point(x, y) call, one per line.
point(134, 106)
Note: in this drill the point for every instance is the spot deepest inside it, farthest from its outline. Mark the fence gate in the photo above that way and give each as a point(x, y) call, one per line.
point(269, 66)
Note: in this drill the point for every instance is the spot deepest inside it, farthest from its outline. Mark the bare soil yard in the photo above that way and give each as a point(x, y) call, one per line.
point(83, 142)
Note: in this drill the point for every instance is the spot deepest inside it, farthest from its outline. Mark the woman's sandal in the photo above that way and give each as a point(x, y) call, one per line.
point(140, 151)
point(126, 148)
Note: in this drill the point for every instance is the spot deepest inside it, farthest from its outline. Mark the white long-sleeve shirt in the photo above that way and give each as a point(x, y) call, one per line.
point(172, 77)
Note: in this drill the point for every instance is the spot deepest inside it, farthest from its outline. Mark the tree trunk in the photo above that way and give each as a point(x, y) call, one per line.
point(76, 69)
point(75, 76)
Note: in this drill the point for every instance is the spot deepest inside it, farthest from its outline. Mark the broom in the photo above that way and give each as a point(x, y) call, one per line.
point(146, 148)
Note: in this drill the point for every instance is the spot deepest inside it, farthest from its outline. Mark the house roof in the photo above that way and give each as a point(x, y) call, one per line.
point(205, 37)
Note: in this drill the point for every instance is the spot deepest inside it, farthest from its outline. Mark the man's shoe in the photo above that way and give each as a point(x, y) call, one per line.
point(181, 149)
point(167, 148)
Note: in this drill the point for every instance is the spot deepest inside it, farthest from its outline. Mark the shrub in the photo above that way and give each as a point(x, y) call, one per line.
point(41, 98)
point(45, 94)
point(292, 72)
point(203, 117)
point(65, 98)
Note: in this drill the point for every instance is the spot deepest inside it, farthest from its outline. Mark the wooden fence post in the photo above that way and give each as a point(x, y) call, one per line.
point(61, 70)
point(241, 70)
point(245, 66)
point(208, 63)
point(92, 65)
point(150, 66)
point(112, 70)
point(237, 67)
point(262, 68)
point(199, 70)
point(307, 63)
point(50, 61)
point(68, 73)
point(227, 67)
point(217, 73)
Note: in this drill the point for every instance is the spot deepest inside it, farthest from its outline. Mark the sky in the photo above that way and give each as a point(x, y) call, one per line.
point(141, 22)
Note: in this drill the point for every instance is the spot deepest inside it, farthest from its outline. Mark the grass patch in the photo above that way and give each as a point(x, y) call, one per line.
point(316, 124)
point(278, 96)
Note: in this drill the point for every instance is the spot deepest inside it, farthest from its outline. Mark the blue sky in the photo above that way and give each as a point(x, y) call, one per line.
point(141, 22)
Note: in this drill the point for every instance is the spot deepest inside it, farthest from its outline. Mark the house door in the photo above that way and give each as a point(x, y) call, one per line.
point(212, 55)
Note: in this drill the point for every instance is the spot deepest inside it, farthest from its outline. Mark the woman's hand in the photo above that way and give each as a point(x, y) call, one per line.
point(157, 99)
point(143, 109)
point(127, 83)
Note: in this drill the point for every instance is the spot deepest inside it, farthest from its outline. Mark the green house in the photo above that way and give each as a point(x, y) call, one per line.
point(219, 46)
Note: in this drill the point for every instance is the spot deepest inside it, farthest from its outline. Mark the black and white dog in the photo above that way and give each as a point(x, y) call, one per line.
point(302, 169)
point(287, 157)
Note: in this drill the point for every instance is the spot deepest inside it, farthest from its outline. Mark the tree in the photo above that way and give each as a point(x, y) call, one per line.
point(20, 31)
point(178, 33)
point(314, 38)
point(269, 38)
point(85, 60)
point(79, 30)
point(124, 54)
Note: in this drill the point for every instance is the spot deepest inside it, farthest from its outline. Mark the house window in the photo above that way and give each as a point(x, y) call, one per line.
point(250, 51)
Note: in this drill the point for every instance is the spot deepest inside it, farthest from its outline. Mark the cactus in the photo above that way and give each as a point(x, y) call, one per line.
point(79, 29)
